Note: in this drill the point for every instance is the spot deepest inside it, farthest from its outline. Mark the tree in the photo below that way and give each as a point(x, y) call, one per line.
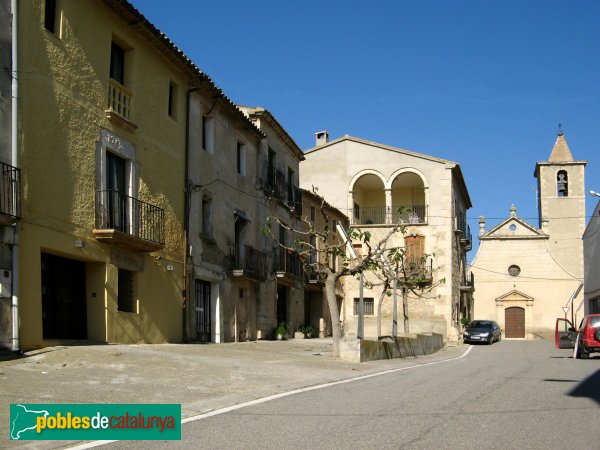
point(319, 248)
point(411, 272)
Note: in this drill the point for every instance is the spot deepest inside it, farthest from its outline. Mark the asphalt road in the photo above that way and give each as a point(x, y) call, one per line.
point(514, 394)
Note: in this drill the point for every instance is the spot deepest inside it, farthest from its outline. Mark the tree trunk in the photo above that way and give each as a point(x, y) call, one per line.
point(405, 309)
point(336, 329)
point(381, 297)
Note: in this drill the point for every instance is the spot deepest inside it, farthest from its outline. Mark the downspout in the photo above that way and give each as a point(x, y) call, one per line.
point(15, 345)
point(186, 220)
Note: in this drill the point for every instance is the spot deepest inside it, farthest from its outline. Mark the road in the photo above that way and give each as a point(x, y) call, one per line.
point(514, 394)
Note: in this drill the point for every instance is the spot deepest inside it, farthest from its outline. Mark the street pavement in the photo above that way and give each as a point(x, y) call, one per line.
point(201, 378)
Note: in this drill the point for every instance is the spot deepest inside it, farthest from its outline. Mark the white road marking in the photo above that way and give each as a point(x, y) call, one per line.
point(260, 401)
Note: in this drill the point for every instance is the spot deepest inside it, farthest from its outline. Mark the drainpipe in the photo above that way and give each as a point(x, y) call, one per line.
point(186, 222)
point(16, 346)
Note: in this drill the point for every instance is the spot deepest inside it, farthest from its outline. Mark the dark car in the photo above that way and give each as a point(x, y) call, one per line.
point(486, 331)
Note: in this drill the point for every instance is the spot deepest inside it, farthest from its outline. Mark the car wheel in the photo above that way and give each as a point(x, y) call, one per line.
point(585, 354)
point(491, 340)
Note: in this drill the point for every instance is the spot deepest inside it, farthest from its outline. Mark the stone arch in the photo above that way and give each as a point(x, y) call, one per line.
point(367, 198)
point(408, 189)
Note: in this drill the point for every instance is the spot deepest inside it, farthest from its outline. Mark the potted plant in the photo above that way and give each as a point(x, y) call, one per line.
point(300, 333)
point(281, 331)
point(309, 331)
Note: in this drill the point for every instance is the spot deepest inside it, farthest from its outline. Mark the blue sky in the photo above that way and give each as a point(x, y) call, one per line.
point(481, 82)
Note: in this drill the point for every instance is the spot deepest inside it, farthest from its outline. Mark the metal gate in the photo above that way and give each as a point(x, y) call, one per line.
point(203, 329)
point(514, 320)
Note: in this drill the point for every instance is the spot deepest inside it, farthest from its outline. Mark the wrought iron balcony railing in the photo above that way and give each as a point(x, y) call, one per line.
point(288, 263)
point(468, 281)
point(245, 260)
point(383, 215)
point(116, 211)
point(467, 239)
point(10, 191)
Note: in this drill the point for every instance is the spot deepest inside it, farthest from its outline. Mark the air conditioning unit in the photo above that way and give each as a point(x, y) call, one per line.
point(5, 283)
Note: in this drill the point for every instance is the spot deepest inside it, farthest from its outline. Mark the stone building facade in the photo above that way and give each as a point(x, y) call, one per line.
point(377, 186)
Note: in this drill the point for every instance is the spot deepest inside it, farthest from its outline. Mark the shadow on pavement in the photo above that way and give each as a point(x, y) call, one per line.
point(588, 388)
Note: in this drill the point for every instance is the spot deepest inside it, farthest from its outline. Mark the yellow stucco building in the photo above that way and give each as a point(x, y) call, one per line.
point(101, 147)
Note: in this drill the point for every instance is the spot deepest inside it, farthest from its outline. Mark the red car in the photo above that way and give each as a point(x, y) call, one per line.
point(586, 340)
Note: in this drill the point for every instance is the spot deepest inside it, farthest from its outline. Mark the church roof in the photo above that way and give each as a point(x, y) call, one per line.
point(560, 156)
point(513, 228)
point(561, 151)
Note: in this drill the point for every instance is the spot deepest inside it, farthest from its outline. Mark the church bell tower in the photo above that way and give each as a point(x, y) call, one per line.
point(561, 205)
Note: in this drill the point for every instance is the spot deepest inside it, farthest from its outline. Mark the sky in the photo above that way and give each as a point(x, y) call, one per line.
point(484, 83)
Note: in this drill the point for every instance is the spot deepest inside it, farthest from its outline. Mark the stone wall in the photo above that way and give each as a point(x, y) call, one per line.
point(357, 350)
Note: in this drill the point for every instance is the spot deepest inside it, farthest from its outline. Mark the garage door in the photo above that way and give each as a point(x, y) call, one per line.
point(514, 322)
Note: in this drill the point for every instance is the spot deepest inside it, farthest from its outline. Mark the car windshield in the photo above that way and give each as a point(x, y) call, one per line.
point(595, 321)
point(480, 324)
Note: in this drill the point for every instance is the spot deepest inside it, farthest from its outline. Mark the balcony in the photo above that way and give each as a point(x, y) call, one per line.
point(383, 215)
point(10, 194)
point(418, 270)
point(247, 262)
point(121, 219)
point(294, 200)
point(467, 239)
point(467, 284)
point(314, 278)
point(119, 105)
point(288, 265)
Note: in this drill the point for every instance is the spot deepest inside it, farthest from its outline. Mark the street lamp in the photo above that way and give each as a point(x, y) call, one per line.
point(594, 193)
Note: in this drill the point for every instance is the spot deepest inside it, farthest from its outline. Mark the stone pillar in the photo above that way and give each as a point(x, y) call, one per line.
point(529, 320)
point(388, 206)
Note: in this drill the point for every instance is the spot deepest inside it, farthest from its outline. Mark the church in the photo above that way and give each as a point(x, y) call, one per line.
point(528, 275)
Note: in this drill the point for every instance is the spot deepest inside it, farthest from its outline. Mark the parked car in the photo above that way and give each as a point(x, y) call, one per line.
point(585, 339)
point(486, 331)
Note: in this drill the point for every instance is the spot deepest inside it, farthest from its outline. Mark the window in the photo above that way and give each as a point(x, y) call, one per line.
point(50, 17)
point(208, 136)
point(562, 183)
point(313, 213)
point(125, 295)
point(313, 249)
point(116, 200)
point(117, 63)
point(290, 186)
point(594, 306)
point(241, 159)
point(368, 304)
point(514, 270)
point(271, 168)
point(117, 181)
point(172, 106)
point(415, 251)
point(356, 211)
point(207, 231)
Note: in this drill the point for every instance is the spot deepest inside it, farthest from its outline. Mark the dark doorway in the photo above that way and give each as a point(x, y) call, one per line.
point(281, 304)
point(203, 320)
point(514, 322)
point(63, 298)
point(116, 191)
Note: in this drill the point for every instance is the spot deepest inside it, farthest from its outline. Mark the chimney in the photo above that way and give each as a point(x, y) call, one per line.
point(481, 225)
point(322, 138)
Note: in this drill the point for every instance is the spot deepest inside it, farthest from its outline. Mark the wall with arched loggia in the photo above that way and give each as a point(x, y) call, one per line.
point(375, 200)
